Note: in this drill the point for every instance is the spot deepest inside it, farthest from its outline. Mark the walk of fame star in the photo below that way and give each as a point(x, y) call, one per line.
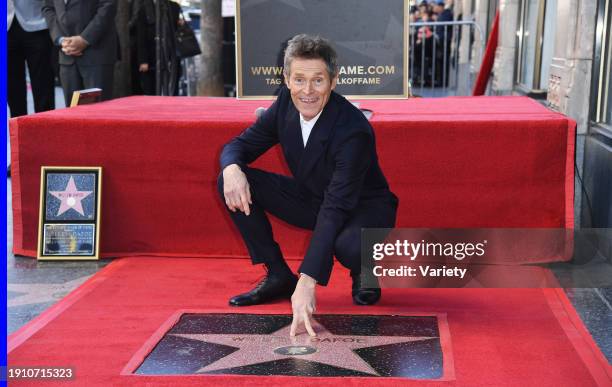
point(326, 348)
point(259, 344)
point(70, 198)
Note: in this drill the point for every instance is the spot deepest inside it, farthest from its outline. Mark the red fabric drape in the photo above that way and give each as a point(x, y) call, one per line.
point(487, 61)
point(453, 162)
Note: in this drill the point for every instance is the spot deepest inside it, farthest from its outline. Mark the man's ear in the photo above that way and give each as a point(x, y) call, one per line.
point(286, 80)
point(334, 81)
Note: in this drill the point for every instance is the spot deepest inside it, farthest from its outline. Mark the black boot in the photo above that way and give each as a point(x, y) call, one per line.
point(363, 295)
point(273, 286)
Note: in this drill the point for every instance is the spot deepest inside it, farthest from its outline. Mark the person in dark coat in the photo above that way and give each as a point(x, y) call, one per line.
point(146, 55)
point(444, 38)
point(86, 33)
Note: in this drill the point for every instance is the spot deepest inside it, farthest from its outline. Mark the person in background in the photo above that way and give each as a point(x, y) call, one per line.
point(146, 54)
point(135, 7)
point(28, 42)
point(444, 36)
point(423, 51)
point(422, 10)
point(413, 14)
point(86, 33)
point(443, 14)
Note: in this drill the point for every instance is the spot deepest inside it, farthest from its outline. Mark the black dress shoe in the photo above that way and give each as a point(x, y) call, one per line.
point(270, 288)
point(363, 295)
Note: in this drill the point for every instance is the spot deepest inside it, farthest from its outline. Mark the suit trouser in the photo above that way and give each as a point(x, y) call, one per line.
point(280, 196)
point(35, 49)
point(77, 77)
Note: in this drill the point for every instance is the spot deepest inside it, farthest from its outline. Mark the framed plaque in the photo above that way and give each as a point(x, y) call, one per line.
point(69, 220)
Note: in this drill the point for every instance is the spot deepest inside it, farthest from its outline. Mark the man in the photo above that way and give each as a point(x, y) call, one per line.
point(443, 15)
point(444, 37)
point(85, 30)
point(29, 43)
point(337, 186)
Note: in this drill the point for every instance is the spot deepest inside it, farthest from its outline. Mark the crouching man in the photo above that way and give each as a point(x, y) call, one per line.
point(336, 189)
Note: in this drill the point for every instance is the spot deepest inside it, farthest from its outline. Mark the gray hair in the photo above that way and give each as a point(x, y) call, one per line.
point(311, 47)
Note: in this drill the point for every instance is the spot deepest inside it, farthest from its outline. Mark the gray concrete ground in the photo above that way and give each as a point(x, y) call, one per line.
point(34, 286)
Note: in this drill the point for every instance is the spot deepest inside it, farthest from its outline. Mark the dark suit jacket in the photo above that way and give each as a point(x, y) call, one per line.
point(145, 30)
point(94, 20)
point(338, 170)
point(445, 16)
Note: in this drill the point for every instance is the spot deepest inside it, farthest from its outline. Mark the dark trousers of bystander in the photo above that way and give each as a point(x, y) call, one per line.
point(35, 49)
point(77, 77)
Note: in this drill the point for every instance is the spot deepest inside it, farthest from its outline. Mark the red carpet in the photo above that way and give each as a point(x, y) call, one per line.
point(460, 162)
point(497, 337)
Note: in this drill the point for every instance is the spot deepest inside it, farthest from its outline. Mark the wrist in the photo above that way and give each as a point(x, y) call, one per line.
point(307, 280)
point(232, 168)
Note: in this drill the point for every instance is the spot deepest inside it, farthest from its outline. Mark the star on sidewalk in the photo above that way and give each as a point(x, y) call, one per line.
point(325, 348)
point(70, 198)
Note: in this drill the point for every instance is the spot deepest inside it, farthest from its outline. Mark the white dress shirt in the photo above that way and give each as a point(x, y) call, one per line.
point(307, 126)
point(28, 13)
point(10, 13)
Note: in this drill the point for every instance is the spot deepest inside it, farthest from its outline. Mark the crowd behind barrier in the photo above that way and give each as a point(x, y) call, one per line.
point(430, 41)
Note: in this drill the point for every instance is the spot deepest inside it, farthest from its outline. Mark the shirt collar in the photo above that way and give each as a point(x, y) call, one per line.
point(311, 121)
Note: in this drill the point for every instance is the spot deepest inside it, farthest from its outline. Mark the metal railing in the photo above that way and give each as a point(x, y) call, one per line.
point(435, 57)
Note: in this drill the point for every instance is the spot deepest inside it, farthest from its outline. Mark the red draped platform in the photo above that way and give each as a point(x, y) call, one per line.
point(453, 162)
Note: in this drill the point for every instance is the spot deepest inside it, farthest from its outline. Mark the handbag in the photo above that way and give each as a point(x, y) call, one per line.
point(187, 44)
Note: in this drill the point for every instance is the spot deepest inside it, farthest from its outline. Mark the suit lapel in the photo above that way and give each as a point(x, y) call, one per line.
point(318, 137)
point(60, 11)
point(294, 144)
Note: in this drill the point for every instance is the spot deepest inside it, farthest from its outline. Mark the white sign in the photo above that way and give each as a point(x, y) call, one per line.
point(228, 8)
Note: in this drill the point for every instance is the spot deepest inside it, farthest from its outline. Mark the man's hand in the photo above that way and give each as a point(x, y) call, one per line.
point(236, 189)
point(143, 68)
point(65, 42)
point(303, 303)
point(67, 47)
point(74, 45)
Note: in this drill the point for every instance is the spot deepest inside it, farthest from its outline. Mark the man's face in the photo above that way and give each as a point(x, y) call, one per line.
point(310, 86)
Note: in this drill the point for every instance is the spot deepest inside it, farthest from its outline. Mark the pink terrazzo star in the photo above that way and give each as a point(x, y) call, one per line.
point(71, 198)
point(325, 348)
